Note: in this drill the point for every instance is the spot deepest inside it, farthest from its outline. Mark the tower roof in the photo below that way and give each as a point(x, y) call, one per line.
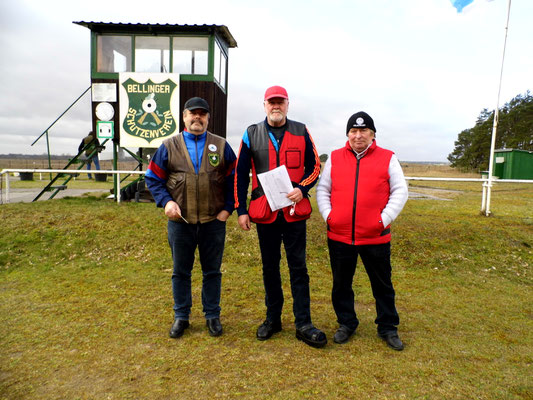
point(112, 27)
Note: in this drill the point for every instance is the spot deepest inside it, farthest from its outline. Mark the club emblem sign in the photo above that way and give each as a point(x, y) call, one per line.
point(149, 106)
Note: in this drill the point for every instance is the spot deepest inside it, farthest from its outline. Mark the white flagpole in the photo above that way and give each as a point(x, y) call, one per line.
point(486, 201)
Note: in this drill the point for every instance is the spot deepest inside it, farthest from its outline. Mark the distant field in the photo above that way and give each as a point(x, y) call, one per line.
point(435, 171)
point(57, 164)
point(410, 169)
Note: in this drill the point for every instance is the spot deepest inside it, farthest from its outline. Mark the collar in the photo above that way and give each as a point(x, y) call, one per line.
point(360, 155)
point(192, 136)
point(268, 126)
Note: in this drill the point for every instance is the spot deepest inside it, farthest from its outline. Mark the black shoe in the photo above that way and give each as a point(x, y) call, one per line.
point(311, 336)
point(267, 329)
point(214, 326)
point(178, 327)
point(343, 334)
point(393, 340)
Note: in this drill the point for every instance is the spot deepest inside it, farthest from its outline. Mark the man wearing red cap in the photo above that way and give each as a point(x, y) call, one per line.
point(267, 145)
point(361, 191)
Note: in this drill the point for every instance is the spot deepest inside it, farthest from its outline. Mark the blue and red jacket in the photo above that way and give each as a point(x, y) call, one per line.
point(260, 152)
point(156, 176)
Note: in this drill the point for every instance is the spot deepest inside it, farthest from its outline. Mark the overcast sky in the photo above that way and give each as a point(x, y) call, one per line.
point(420, 68)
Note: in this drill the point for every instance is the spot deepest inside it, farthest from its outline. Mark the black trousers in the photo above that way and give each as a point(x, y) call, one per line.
point(293, 236)
point(183, 239)
point(376, 259)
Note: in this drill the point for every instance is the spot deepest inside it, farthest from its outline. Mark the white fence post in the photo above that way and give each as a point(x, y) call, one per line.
point(117, 189)
point(7, 187)
point(484, 197)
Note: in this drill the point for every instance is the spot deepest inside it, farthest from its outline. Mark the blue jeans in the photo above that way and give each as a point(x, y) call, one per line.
point(293, 236)
point(376, 259)
point(96, 162)
point(183, 240)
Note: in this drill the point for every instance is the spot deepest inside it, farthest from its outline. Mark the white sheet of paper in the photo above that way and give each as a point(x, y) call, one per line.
point(276, 185)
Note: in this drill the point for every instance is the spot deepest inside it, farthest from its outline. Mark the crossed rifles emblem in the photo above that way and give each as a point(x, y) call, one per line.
point(149, 106)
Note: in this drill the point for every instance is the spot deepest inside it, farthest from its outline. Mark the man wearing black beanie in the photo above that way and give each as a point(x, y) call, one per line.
point(361, 191)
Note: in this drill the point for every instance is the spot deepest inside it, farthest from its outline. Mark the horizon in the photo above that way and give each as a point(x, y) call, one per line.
point(127, 156)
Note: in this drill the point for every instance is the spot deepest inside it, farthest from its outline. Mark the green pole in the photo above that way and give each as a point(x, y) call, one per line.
point(115, 168)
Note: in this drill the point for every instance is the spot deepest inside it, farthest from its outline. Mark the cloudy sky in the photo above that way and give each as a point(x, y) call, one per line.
point(420, 68)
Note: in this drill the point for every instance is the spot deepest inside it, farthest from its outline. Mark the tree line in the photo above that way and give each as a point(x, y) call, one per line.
point(515, 131)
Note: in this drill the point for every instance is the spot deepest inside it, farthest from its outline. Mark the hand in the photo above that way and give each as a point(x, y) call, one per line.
point(223, 215)
point(173, 211)
point(296, 195)
point(244, 222)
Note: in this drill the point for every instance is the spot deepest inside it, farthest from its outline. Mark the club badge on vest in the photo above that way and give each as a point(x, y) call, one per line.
point(214, 159)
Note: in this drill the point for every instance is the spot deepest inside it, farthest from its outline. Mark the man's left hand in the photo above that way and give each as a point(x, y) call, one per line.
point(295, 195)
point(223, 215)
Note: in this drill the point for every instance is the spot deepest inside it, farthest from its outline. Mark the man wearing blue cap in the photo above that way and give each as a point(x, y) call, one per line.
point(191, 175)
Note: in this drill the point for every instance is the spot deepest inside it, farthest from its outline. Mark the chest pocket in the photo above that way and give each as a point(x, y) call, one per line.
point(293, 158)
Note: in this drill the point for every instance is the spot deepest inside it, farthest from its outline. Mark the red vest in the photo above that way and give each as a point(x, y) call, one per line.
point(359, 192)
point(265, 157)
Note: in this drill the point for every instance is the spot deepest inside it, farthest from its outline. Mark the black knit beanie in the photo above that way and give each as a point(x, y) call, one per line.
point(360, 120)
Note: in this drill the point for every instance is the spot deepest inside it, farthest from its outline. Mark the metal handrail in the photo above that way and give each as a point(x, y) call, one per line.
point(52, 124)
point(415, 178)
point(72, 161)
point(6, 172)
point(57, 119)
point(69, 171)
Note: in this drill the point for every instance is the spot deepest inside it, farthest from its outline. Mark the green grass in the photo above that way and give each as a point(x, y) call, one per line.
point(85, 308)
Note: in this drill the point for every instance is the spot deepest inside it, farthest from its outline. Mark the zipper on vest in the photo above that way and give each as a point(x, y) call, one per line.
point(272, 137)
point(277, 152)
point(355, 199)
point(197, 180)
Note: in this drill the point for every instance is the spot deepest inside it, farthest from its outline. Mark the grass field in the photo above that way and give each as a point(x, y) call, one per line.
point(85, 308)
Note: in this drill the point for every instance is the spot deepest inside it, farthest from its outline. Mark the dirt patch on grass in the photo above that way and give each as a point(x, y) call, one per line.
point(431, 193)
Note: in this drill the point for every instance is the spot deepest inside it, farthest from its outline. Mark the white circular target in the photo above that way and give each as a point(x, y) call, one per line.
point(149, 105)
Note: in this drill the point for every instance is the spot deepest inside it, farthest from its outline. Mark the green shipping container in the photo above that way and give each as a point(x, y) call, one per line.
point(513, 164)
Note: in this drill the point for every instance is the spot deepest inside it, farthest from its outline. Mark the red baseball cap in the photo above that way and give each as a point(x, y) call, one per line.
point(276, 91)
